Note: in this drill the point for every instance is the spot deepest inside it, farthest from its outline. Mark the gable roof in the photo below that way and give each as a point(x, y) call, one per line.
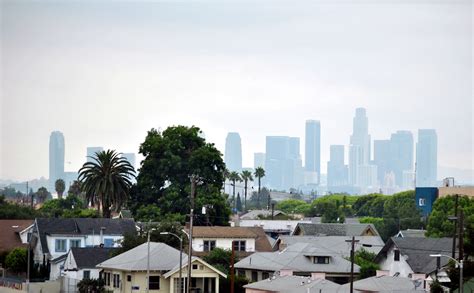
point(9, 237)
point(411, 233)
point(81, 226)
point(255, 214)
point(417, 251)
point(382, 284)
point(337, 244)
point(162, 258)
point(334, 229)
point(89, 257)
point(193, 260)
point(293, 284)
point(297, 258)
point(223, 232)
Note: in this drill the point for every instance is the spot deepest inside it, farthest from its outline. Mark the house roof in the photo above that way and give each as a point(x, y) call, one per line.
point(333, 229)
point(273, 225)
point(337, 244)
point(383, 284)
point(255, 214)
point(261, 242)
point(9, 237)
point(412, 233)
point(81, 226)
point(293, 284)
point(417, 251)
point(89, 257)
point(162, 258)
point(223, 232)
point(297, 257)
point(194, 259)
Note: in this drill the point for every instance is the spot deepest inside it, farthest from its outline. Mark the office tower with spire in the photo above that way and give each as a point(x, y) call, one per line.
point(56, 158)
point(360, 135)
point(233, 152)
point(426, 158)
point(313, 149)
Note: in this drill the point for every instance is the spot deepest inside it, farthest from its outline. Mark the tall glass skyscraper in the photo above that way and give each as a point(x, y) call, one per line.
point(401, 154)
point(382, 159)
point(360, 135)
point(337, 171)
point(56, 158)
point(426, 158)
point(233, 152)
point(91, 153)
point(313, 148)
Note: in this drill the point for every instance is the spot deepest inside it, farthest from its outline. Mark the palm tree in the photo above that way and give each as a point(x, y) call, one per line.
point(234, 177)
point(259, 173)
point(60, 186)
point(42, 194)
point(107, 180)
point(246, 177)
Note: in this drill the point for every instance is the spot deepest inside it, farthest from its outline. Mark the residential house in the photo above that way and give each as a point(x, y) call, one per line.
point(11, 234)
point(258, 214)
point(127, 272)
point(291, 284)
point(302, 259)
point(81, 262)
point(337, 244)
point(411, 233)
point(273, 228)
point(334, 229)
point(52, 238)
point(383, 284)
point(245, 240)
point(410, 257)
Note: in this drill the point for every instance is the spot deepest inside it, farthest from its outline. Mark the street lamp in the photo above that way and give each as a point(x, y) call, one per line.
point(459, 263)
point(148, 261)
point(180, 257)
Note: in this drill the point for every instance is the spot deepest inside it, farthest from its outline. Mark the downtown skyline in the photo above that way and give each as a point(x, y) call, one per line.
point(245, 68)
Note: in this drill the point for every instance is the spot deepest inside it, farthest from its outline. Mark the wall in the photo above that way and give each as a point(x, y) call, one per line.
point(461, 190)
point(224, 243)
point(401, 266)
point(86, 240)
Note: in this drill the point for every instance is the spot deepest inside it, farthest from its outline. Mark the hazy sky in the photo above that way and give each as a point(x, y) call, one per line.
point(105, 72)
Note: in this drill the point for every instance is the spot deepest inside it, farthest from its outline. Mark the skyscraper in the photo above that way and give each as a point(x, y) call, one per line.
point(313, 148)
point(130, 157)
point(354, 163)
point(382, 159)
point(277, 149)
point(233, 152)
point(337, 171)
point(426, 158)
point(259, 160)
point(401, 154)
point(91, 153)
point(360, 135)
point(56, 157)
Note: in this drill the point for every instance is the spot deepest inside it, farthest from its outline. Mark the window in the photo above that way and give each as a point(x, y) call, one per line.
point(154, 283)
point(87, 275)
point(74, 243)
point(321, 260)
point(129, 278)
point(241, 273)
point(28, 236)
point(421, 202)
point(60, 245)
point(107, 279)
point(396, 255)
point(109, 242)
point(239, 245)
point(116, 281)
point(209, 245)
point(265, 275)
point(254, 276)
point(195, 267)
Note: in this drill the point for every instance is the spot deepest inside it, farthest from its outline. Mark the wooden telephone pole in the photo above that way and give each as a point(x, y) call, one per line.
point(353, 242)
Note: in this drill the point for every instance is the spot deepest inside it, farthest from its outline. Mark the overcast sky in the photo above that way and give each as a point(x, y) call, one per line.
point(105, 72)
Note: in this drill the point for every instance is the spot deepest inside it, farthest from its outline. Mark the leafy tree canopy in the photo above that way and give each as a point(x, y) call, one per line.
point(293, 206)
point(69, 207)
point(14, 211)
point(16, 260)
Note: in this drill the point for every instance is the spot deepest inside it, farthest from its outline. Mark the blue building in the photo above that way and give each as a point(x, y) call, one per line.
point(425, 198)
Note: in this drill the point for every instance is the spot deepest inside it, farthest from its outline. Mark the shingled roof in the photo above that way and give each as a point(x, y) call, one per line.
point(223, 232)
point(334, 229)
point(81, 226)
point(9, 237)
point(89, 257)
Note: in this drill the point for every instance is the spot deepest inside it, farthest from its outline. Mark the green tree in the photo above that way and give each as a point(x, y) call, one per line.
point(234, 177)
point(239, 203)
point(366, 261)
point(246, 176)
point(293, 206)
point(107, 180)
point(91, 286)
point(170, 158)
point(370, 205)
point(219, 258)
point(42, 194)
point(15, 211)
point(400, 213)
point(259, 174)
point(75, 188)
point(60, 186)
point(16, 260)
point(69, 207)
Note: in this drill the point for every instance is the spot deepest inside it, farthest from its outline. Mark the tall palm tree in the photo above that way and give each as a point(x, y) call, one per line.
point(60, 186)
point(246, 177)
point(234, 177)
point(259, 174)
point(107, 180)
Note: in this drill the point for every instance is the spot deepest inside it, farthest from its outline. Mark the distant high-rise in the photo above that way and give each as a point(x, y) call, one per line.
point(382, 159)
point(130, 157)
point(337, 171)
point(313, 148)
point(360, 135)
point(354, 163)
point(401, 154)
point(259, 160)
point(91, 153)
point(426, 158)
point(56, 157)
point(233, 152)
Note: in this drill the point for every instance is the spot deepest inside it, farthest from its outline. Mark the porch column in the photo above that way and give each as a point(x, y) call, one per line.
point(217, 284)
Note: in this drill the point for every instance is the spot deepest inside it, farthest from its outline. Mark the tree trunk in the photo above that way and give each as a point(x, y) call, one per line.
point(245, 199)
point(258, 195)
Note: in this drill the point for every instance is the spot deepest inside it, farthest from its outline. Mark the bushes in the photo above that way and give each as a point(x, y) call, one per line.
point(16, 260)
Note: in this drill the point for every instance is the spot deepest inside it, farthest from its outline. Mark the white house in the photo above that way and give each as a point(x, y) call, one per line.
point(80, 263)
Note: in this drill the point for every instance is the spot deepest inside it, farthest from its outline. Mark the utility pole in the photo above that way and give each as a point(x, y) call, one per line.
point(232, 269)
point(455, 226)
point(191, 216)
point(461, 234)
point(353, 242)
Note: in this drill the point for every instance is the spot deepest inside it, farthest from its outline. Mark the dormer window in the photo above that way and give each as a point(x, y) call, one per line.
point(396, 255)
point(321, 259)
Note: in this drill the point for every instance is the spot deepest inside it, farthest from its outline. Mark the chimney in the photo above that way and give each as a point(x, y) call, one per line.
point(286, 273)
point(315, 276)
point(380, 273)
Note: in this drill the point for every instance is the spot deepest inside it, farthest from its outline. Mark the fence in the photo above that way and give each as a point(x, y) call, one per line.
point(68, 285)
